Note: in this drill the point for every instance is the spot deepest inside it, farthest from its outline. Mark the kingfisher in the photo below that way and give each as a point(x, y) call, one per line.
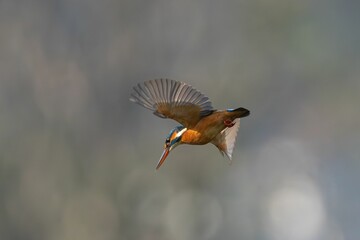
point(200, 122)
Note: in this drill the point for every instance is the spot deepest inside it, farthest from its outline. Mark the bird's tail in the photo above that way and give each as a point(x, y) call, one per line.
point(240, 112)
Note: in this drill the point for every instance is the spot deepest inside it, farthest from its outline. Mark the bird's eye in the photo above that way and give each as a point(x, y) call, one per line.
point(167, 142)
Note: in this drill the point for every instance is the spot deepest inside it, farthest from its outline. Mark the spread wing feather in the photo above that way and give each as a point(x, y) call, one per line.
point(172, 99)
point(225, 140)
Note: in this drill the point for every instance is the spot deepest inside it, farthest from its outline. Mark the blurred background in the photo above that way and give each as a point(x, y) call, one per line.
point(77, 158)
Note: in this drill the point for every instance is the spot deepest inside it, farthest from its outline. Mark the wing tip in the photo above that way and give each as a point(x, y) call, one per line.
point(227, 139)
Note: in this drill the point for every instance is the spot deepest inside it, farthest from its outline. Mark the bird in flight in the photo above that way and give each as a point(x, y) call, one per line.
point(200, 122)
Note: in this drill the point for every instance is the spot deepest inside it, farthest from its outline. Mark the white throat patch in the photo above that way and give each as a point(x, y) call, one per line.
point(180, 133)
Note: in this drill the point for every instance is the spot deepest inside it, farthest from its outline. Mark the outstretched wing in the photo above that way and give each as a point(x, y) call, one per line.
point(172, 99)
point(225, 140)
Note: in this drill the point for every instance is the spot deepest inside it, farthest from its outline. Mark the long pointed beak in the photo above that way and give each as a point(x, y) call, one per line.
point(162, 158)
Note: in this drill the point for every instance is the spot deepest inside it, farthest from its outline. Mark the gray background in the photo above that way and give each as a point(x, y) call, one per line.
point(77, 159)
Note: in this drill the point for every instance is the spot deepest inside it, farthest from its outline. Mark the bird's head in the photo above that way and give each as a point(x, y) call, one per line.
point(171, 141)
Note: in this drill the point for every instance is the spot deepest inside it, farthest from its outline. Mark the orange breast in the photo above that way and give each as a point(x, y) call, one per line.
point(206, 129)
